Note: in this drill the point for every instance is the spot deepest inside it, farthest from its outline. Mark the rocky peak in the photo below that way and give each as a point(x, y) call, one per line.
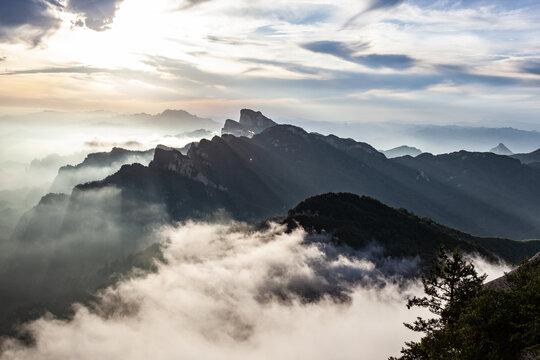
point(255, 120)
point(171, 159)
point(250, 123)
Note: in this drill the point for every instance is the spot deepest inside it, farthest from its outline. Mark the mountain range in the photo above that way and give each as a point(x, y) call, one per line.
point(252, 178)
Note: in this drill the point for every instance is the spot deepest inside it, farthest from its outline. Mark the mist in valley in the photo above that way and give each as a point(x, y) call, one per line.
point(227, 290)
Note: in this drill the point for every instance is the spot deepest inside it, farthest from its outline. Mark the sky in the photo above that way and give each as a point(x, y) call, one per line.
point(469, 61)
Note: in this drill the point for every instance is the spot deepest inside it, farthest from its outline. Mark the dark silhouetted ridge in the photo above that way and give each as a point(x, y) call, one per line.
point(360, 221)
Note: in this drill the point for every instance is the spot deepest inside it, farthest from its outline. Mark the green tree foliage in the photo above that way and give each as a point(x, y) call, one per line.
point(451, 283)
point(503, 324)
point(475, 322)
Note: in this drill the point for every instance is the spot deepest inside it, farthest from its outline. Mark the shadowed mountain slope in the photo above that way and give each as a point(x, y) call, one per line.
point(360, 222)
point(531, 159)
point(252, 178)
point(97, 166)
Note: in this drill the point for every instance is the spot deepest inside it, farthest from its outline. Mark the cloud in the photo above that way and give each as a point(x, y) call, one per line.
point(531, 67)
point(336, 48)
point(393, 61)
point(292, 67)
point(232, 41)
point(382, 4)
point(28, 20)
point(59, 70)
point(229, 292)
point(97, 14)
point(330, 83)
point(97, 143)
point(374, 5)
point(304, 14)
point(191, 3)
point(346, 52)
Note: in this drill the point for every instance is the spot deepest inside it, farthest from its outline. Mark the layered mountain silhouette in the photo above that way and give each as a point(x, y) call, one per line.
point(252, 178)
point(96, 166)
point(531, 159)
point(403, 150)
point(466, 137)
point(172, 119)
point(360, 222)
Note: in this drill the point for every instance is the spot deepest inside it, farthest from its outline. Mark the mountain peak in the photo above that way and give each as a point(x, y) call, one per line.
point(174, 112)
point(255, 119)
point(402, 150)
point(501, 149)
point(251, 122)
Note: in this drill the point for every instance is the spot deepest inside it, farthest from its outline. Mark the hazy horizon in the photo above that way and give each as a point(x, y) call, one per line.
point(473, 62)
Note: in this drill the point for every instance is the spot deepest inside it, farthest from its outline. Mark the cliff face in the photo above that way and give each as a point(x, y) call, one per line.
point(250, 123)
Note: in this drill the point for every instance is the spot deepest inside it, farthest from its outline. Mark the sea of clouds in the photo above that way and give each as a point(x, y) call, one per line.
point(228, 291)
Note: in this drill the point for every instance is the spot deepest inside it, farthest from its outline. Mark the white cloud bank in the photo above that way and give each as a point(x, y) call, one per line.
point(227, 292)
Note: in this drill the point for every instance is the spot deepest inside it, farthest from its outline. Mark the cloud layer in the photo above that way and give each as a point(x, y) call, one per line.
point(229, 292)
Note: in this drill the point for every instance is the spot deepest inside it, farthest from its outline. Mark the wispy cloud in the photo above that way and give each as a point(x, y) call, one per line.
point(346, 52)
point(373, 5)
point(531, 67)
point(191, 3)
point(58, 70)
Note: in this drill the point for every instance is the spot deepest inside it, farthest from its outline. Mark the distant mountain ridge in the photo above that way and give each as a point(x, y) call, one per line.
point(96, 166)
point(262, 176)
point(403, 150)
point(464, 137)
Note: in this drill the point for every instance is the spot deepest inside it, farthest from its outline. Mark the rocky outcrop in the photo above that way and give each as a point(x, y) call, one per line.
point(501, 284)
point(251, 123)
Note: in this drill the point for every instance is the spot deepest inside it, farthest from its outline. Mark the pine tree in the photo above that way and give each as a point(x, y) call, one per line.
point(451, 283)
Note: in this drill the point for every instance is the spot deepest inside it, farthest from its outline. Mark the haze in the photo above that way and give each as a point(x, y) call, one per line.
point(473, 62)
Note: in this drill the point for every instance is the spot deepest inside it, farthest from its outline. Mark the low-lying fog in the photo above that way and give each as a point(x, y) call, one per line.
point(33, 148)
point(225, 291)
